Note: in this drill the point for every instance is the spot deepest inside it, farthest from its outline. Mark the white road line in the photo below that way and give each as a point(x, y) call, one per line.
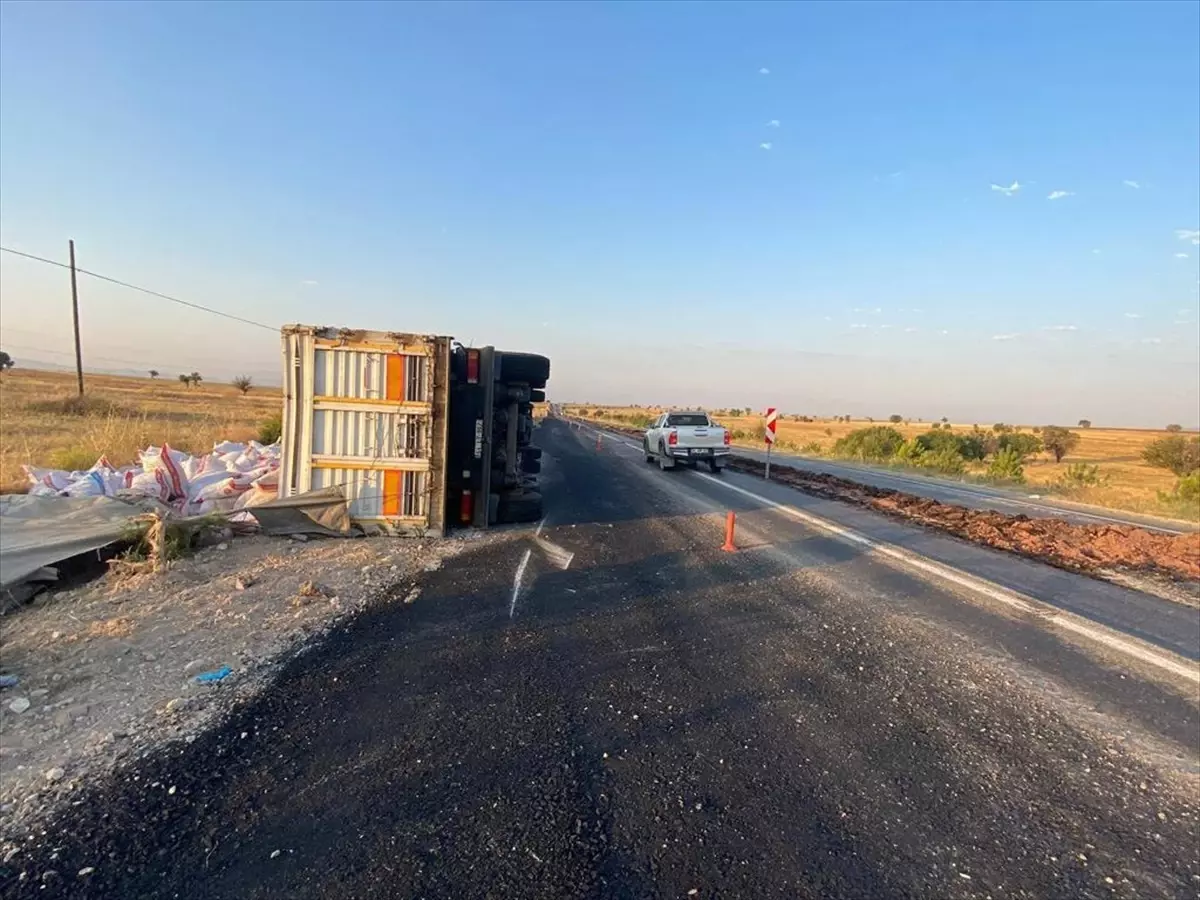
point(1057, 617)
point(512, 607)
point(541, 525)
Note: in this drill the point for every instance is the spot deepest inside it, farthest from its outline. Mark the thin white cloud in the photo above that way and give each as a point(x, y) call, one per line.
point(308, 282)
point(1061, 328)
point(765, 145)
point(828, 318)
point(910, 329)
point(1007, 191)
point(1189, 234)
point(774, 123)
point(1181, 256)
point(885, 326)
point(764, 71)
point(859, 325)
point(1151, 340)
point(917, 309)
point(1058, 195)
point(1130, 183)
point(1095, 251)
point(877, 311)
point(1005, 337)
point(1133, 315)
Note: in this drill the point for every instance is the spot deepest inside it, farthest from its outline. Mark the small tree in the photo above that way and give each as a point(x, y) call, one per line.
point(196, 377)
point(944, 419)
point(154, 373)
point(1001, 428)
point(6, 361)
point(1022, 444)
point(186, 379)
point(1085, 423)
point(1007, 466)
point(1174, 429)
point(243, 383)
point(1059, 441)
point(895, 420)
point(1177, 453)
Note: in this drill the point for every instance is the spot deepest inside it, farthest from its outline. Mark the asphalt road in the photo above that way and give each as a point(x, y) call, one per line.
point(974, 496)
point(803, 718)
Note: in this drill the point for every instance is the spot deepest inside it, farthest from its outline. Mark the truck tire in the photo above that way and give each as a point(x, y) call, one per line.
point(716, 469)
point(515, 508)
point(646, 450)
point(527, 368)
point(537, 395)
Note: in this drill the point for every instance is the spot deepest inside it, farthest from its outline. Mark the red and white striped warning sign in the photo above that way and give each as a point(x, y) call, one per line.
point(772, 418)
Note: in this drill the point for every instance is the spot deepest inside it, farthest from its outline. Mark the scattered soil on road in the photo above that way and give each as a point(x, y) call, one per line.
point(1084, 548)
point(107, 670)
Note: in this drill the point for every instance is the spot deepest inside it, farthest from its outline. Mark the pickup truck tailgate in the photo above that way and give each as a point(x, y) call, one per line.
point(699, 436)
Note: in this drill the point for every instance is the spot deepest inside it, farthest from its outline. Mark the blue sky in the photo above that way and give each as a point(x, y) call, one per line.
point(750, 204)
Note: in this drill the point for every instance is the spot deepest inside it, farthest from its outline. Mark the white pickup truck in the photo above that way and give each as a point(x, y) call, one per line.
point(687, 438)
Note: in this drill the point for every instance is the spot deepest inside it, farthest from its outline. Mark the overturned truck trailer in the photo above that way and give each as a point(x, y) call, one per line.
point(422, 434)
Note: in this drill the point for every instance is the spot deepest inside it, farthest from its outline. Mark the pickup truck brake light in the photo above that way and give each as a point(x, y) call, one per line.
point(673, 438)
point(727, 441)
point(472, 367)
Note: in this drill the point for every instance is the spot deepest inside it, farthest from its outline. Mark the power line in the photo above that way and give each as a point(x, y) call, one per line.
point(134, 287)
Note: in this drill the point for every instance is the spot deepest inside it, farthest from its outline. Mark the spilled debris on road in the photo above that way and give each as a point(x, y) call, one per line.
point(1099, 550)
point(1081, 548)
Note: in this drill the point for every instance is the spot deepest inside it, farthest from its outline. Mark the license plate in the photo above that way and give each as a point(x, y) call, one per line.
point(700, 452)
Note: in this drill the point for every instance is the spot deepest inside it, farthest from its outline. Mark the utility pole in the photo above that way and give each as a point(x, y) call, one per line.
point(75, 312)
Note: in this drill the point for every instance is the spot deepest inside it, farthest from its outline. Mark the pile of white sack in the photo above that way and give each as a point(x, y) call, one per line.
point(232, 476)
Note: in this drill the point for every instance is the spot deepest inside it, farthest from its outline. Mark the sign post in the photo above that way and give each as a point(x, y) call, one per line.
point(769, 435)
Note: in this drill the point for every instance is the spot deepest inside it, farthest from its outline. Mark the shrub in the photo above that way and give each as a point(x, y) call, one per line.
point(1085, 423)
point(737, 435)
point(910, 452)
point(1174, 429)
point(1006, 466)
point(1059, 441)
point(1177, 453)
point(879, 443)
point(270, 429)
point(1024, 444)
point(73, 459)
point(758, 431)
point(947, 461)
point(828, 432)
point(1001, 428)
point(1080, 475)
point(813, 448)
point(895, 420)
point(967, 446)
point(1188, 488)
point(243, 383)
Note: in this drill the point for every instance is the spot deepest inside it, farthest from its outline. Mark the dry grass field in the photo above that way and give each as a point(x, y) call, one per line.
point(42, 422)
point(1127, 482)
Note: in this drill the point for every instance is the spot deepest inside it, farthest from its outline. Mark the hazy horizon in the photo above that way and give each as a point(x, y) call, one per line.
point(922, 209)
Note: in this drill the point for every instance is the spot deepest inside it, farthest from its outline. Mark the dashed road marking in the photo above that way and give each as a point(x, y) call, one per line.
point(512, 607)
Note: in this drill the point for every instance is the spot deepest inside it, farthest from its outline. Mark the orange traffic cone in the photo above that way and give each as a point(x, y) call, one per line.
point(730, 523)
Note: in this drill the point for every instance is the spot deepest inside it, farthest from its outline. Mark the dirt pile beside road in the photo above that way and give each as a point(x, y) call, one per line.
point(1085, 548)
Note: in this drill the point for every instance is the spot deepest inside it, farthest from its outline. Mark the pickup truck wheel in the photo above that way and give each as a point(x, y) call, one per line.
point(716, 470)
point(664, 461)
point(646, 450)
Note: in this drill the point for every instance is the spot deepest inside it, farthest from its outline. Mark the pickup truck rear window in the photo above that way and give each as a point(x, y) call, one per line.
point(683, 419)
